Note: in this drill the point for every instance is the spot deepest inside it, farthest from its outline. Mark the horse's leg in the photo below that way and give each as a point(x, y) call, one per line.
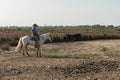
point(26, 49)
point(23, 50)
point(38, 51)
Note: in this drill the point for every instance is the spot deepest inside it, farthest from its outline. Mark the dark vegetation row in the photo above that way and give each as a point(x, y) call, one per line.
point(11, 35)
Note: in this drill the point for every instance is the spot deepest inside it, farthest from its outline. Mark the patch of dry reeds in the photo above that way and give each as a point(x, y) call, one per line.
point(12, 35)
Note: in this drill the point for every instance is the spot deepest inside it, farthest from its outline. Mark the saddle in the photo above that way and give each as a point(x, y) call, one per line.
point(34, 39)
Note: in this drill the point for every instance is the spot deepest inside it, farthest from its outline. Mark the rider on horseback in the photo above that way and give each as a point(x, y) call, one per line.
point(35, 35)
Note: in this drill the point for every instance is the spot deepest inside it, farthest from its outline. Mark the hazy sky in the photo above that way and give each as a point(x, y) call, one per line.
point(59, 12)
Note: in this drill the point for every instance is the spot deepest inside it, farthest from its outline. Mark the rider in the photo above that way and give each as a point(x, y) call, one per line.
point(35, 35)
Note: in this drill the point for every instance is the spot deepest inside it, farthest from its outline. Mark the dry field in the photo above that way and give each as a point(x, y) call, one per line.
point(85, 60)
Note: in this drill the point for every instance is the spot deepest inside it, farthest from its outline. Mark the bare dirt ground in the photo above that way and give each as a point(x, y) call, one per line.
point(86, 60)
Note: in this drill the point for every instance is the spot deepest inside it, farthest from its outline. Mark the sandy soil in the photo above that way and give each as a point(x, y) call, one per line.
point(84, 60)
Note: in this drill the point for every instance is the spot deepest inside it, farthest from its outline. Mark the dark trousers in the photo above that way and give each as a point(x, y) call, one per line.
point(36, 39)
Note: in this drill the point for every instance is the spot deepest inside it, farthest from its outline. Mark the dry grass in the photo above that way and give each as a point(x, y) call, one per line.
point(115, 53)
point(64, 61)
point(12, 35)
point(90, 60)
point(5, 46)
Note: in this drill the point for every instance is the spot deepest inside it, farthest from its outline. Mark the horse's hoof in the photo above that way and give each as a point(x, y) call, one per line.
point(23, 54)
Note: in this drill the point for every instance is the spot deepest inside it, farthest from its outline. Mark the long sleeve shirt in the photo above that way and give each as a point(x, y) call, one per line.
point(34, 31)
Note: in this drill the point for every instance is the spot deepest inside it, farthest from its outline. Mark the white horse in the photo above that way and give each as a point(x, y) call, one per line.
point(25, 40)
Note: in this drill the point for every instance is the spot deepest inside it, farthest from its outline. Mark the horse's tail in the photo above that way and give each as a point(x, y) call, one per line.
point(19, 46)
